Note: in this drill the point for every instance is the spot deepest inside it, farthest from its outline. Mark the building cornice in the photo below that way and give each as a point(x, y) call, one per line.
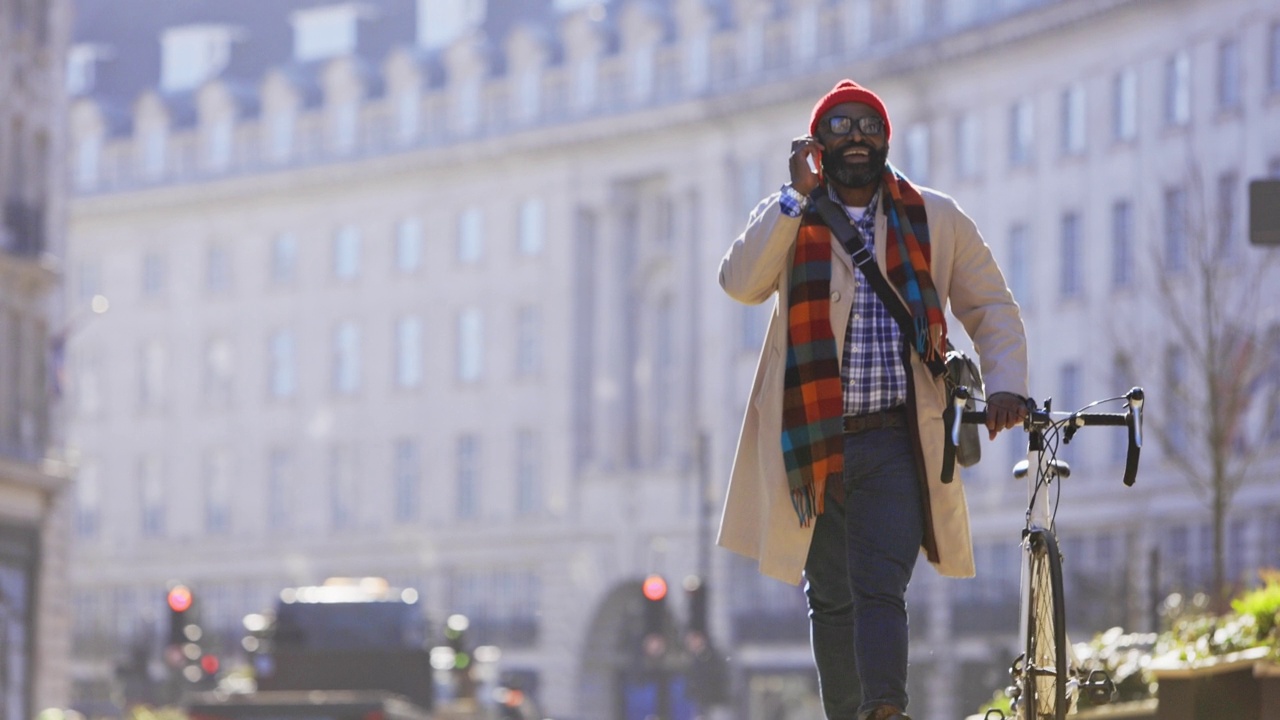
point(780, 86)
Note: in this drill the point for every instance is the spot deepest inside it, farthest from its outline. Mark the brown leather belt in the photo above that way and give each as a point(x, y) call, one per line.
point(893, 417)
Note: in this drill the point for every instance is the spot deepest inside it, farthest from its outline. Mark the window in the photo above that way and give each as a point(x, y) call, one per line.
point(279, 489)
point(468, 477)
point(344, 116)
point(918, 152)
point(467, 104)
point(284, 259)
point(968, 152)
point(409, 352)
point(1175, 229)
point(154, 366)
point(1070, 280)
point(409, 245)
point(440, 23)
point(533, 229)
point(281, 128)
point(641, 72)
point(585, 72)
point(88, 500)
point(1124, 105)
point(1073, 120)
point(346, 253)
point(1273, 51)
point(153, 274)
point(1177, 89)
point(218, 269)
point(342, 486)
point(1229, 75)
point(1021, 133)
point(528, 341)
point(1122, 378)
point(283, 363)
point(1228, 225)
point(218, 142)
point(408, 116)
point(151, 494)
point(1122, 244)
point(219, 365)
point(1271, 385)
point(82, 63)
point(528, 477)
point(192, 54)
point(324, 32)
point(504, 607)
point(470, 345)
point(1070, 397)
point(346, 358)
point(153, 152)
point(1175, 379)
point(217, 489)
point(470, 236)
point(88, 160)
point(406, 469)
point(1020, 264)
point(88, 383)
point(528, 87)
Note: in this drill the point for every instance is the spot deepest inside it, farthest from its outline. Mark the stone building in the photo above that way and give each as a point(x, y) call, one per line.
point(427, 291)
point(34, 501)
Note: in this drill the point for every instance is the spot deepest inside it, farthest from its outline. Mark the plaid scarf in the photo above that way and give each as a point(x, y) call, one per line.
point(812, 427)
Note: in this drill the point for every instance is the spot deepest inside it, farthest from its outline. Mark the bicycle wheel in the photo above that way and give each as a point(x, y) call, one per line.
point(1044, 667)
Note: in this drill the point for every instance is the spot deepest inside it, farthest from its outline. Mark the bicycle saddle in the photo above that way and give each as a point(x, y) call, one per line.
point(1057, 468)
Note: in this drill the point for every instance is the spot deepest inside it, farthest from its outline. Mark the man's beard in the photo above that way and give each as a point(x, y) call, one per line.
point(842, 172)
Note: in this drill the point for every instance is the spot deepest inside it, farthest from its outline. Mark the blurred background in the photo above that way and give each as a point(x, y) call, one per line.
point(409, 309)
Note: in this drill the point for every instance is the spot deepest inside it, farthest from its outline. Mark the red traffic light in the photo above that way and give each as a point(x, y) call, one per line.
point(654, 588)
point(209, 664)
point(179, 598)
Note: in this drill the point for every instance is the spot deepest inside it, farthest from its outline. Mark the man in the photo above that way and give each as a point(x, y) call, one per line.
point(837, 474)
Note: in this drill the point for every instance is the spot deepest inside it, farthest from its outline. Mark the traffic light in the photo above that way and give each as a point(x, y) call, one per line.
point(696, 592)
point(455, 634)
point(708, 671)
point(180, 601)
point(186, 651)
point(654, 640)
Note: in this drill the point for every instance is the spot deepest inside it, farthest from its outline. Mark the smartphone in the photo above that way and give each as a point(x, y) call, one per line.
point(815, 163)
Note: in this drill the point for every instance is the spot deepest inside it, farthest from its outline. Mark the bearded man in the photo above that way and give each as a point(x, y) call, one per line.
point(837, 478)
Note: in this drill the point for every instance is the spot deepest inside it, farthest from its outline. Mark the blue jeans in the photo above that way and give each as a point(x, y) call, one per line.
point(857, 572)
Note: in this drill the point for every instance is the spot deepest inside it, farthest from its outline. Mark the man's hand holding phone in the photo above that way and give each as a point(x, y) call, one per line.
point(806, 163)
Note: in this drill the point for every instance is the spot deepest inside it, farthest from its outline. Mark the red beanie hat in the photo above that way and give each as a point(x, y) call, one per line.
point(847, 91)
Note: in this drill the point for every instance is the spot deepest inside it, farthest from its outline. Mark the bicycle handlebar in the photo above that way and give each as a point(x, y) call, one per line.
point(1039, 419)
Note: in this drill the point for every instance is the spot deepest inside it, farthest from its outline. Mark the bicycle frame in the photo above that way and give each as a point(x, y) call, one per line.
point(1039, 519)
point(1040, 473)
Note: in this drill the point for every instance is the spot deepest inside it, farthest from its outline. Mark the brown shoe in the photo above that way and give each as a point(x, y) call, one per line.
point(884, 712)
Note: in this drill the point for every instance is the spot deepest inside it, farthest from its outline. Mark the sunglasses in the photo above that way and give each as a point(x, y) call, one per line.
point(869, 125)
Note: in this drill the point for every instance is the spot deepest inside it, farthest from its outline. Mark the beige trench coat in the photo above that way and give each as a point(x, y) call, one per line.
point(759, 520)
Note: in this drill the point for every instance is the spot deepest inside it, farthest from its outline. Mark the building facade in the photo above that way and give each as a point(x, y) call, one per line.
point(428, 292)
point(34, 483)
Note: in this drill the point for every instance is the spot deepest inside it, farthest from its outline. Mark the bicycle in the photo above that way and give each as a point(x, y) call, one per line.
point(1046, 679)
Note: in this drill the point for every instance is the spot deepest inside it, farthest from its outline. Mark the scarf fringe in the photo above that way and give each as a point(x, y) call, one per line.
point(809, 501)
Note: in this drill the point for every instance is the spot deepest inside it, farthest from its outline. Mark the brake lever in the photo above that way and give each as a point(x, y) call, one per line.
point(959, 397)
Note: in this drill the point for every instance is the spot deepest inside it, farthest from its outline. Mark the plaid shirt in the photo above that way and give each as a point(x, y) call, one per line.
point(872, 371)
